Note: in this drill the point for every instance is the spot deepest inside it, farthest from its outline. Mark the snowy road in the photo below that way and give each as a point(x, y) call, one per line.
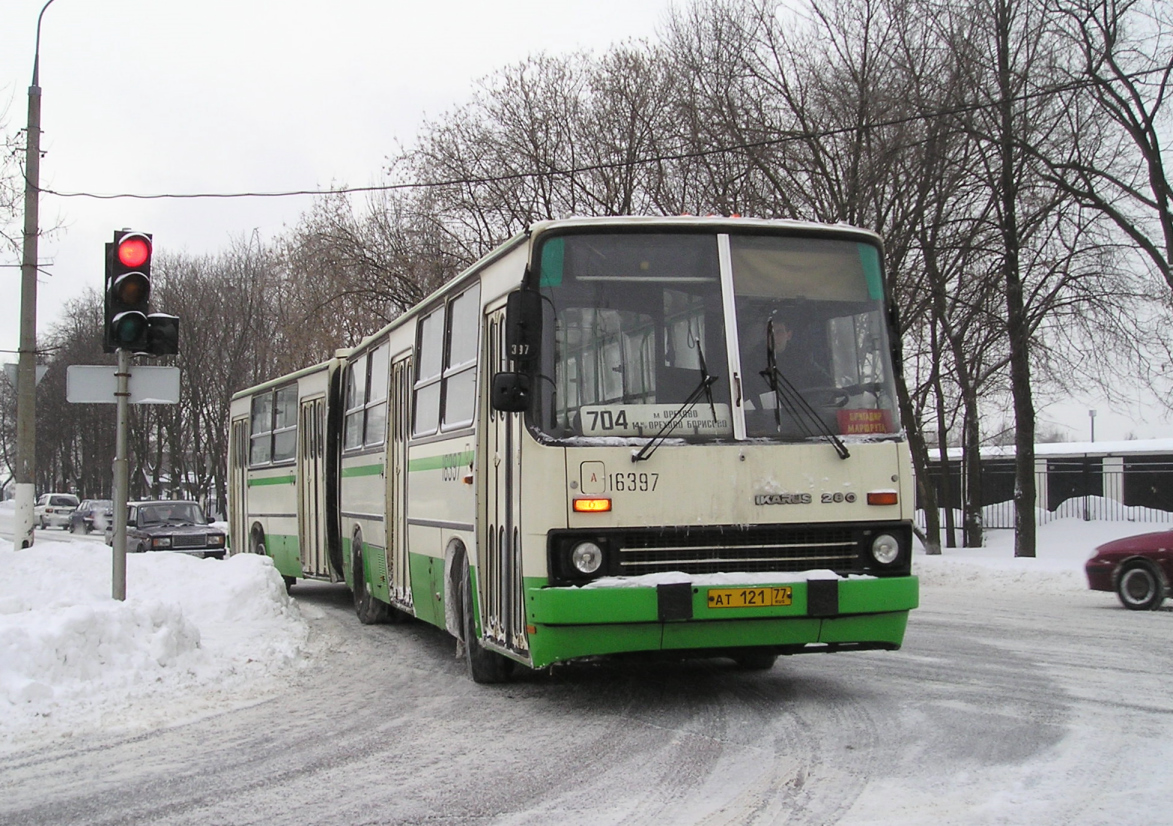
point(1001, 708)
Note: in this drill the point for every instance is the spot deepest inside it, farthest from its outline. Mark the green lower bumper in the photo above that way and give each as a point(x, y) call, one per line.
point(566, 623)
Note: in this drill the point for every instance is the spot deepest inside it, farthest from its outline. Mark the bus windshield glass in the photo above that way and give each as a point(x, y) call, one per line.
point(639, 339)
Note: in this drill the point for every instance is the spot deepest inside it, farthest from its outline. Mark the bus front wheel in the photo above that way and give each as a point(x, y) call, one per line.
point(484, 666)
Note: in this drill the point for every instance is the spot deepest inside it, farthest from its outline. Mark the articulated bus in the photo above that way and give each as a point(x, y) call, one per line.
point(609, 436)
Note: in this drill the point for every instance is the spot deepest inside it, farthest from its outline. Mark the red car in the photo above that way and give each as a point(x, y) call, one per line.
point(1138, 568)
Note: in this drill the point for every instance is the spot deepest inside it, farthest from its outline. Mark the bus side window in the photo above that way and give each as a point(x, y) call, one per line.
point(261, 438)
point(284, 423)
point(429, 365)
point(356, 391)
point(460, 373)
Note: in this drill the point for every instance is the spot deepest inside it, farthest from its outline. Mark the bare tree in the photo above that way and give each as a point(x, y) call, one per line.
point(1123, 63)
point(75, 442)
point(11, 191)
point(351, 274)
point(508, 158)
point(231, 337)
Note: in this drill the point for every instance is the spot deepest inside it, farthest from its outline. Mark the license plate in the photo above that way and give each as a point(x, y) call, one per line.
point(749, 597)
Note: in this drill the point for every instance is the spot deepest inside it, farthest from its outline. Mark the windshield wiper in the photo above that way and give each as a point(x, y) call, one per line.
point(705, 387)
point(788, 396)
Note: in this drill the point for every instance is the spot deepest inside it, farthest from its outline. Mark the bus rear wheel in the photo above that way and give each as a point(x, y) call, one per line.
point(484, 666)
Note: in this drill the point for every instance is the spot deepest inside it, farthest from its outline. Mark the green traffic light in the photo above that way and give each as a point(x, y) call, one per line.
point(128, 327)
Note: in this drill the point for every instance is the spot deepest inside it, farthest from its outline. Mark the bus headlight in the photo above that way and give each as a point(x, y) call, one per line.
point(586, 557)
point(885, 549)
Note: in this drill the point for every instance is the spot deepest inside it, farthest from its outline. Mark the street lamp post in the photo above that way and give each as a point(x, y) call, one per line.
point(1092, 415)
point(26, 368)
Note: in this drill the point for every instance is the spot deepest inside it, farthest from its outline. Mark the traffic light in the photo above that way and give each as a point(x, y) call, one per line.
point(162, 334)
point(130, 325)
point(128, 290)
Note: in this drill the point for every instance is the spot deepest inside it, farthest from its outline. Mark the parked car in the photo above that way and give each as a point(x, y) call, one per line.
point(53, 510)
point(1138, 568)
point(91, 514)
point(170, 525)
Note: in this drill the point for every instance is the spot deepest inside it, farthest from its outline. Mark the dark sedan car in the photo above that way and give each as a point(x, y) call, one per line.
point(91, 514)
point(170, 525)
point(1138, 568)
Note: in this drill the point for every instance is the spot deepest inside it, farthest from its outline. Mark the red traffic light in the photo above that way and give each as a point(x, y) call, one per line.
point(134, 251)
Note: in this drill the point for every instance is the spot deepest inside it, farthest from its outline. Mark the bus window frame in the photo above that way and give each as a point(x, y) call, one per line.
point(431, 392)
point(367, 382)
point(271, 431)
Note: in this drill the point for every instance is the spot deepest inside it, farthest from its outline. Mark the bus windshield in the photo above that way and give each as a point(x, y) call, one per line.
point(641, 339)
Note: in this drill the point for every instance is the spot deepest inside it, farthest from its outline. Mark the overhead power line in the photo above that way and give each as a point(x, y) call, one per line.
point(782, 138)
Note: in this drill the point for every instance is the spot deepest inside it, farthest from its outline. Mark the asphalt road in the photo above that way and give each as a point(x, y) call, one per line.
point(999, 709)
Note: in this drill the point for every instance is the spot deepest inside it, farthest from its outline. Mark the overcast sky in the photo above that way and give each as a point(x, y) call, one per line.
point(164, 96)
point(146, 96)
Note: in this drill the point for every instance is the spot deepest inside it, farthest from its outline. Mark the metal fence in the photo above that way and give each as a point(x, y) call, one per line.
point(1115, 488)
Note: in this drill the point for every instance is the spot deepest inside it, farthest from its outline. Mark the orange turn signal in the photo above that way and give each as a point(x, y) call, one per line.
point(592, 505)
point(883, 497)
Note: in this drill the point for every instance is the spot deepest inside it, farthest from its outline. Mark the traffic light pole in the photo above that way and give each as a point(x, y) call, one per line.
point(121, 472)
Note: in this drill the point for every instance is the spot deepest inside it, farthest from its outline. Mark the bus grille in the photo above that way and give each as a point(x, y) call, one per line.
point(712, 551)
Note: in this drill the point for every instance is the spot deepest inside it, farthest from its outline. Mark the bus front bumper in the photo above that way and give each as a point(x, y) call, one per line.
point(823, 614)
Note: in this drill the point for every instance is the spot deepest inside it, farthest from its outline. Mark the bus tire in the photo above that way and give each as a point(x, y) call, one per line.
point(484, 666)
point(1140, 587)
point(256, 541)
point(755, 661)
point(370, 610)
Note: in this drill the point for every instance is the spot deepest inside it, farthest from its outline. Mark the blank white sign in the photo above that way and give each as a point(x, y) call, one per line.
point(96, 384)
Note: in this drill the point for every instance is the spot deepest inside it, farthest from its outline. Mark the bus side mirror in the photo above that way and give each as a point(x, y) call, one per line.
point(510, 392)
point(523, 326)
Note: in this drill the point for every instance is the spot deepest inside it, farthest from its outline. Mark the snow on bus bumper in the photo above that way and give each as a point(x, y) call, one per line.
point(816, 611)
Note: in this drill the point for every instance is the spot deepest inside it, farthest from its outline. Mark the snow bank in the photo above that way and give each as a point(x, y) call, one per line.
point(191, 636)
point(1062, 548)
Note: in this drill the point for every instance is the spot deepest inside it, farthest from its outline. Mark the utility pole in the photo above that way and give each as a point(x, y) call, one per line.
point(26, 369)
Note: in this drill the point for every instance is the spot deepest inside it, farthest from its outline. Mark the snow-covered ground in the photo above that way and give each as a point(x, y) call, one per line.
point(191, 635)
point(195, 636)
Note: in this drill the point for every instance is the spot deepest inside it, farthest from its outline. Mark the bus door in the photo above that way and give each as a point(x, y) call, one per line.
point(238, 448)
point(311, 487)
point(499, 534)
point(398, 422)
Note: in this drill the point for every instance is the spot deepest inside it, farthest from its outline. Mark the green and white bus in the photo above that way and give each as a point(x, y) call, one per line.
point(608, 436)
